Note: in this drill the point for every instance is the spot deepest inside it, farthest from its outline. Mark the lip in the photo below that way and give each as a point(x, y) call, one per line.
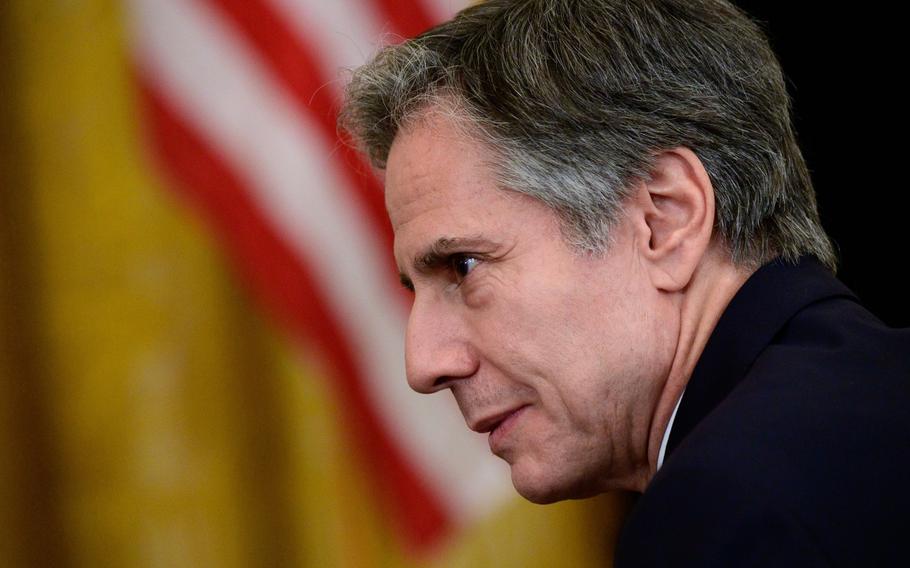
point(492, 421)
point(506, 424)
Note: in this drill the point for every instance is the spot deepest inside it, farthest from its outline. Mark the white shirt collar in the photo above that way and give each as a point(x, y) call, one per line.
point(663, 443)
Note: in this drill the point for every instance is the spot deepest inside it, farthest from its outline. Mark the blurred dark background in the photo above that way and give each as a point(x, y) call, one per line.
point(843, 69)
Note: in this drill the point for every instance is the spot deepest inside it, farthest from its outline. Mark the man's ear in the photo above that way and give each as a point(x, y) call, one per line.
point(673, 214)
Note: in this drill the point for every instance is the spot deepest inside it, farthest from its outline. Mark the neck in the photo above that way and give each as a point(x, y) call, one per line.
point(714, 283)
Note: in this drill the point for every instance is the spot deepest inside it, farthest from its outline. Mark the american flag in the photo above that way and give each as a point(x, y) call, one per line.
point(239, 99)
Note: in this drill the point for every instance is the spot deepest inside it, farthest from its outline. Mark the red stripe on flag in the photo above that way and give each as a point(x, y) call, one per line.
point(296, 66)
point(408, 17)
point(291, 294)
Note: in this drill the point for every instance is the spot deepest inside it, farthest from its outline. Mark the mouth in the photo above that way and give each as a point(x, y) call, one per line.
point(493, 421)
point(499, 425)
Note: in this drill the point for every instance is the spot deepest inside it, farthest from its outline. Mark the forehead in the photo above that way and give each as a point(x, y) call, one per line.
point(434, 162)
point(440, 184)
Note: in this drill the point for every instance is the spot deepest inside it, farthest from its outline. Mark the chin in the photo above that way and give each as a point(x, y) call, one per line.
point(538, 495)
point(545, 487)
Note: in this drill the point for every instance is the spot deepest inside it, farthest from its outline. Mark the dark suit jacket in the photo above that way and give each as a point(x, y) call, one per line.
point(791, 446)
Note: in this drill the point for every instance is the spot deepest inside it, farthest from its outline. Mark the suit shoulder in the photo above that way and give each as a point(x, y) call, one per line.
point(832, 370)
point(815, 440)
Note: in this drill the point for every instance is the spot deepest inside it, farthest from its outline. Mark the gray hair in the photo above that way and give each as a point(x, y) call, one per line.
point(577, 97)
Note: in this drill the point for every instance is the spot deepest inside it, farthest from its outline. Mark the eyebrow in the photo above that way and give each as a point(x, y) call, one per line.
point(438, 253)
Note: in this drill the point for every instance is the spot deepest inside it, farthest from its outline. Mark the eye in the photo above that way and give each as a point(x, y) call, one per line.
point(462, 265)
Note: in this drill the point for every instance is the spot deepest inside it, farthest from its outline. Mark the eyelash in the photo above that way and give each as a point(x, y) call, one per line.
point(448, 262)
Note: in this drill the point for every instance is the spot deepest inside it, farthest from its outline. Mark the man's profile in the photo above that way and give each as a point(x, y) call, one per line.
point(618, 270)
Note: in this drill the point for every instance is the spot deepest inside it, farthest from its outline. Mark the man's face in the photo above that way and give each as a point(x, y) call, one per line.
point(559, 355)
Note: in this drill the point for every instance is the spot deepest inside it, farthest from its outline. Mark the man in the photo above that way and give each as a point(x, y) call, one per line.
point(619, 272)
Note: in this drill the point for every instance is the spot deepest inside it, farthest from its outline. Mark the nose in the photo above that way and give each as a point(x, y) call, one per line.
point(437, 350)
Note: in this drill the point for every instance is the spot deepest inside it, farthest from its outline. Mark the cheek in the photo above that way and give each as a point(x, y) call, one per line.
point(613, 355)
point(550, 341)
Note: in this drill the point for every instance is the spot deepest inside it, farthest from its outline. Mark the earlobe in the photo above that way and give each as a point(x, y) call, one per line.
point(675, 217)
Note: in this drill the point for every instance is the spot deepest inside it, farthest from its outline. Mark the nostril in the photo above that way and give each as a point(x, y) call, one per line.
point(442, 383)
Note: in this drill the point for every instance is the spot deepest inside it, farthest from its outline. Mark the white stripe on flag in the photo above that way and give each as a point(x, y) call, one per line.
point(345, 32)
point(441, 10)
point(220, 88)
